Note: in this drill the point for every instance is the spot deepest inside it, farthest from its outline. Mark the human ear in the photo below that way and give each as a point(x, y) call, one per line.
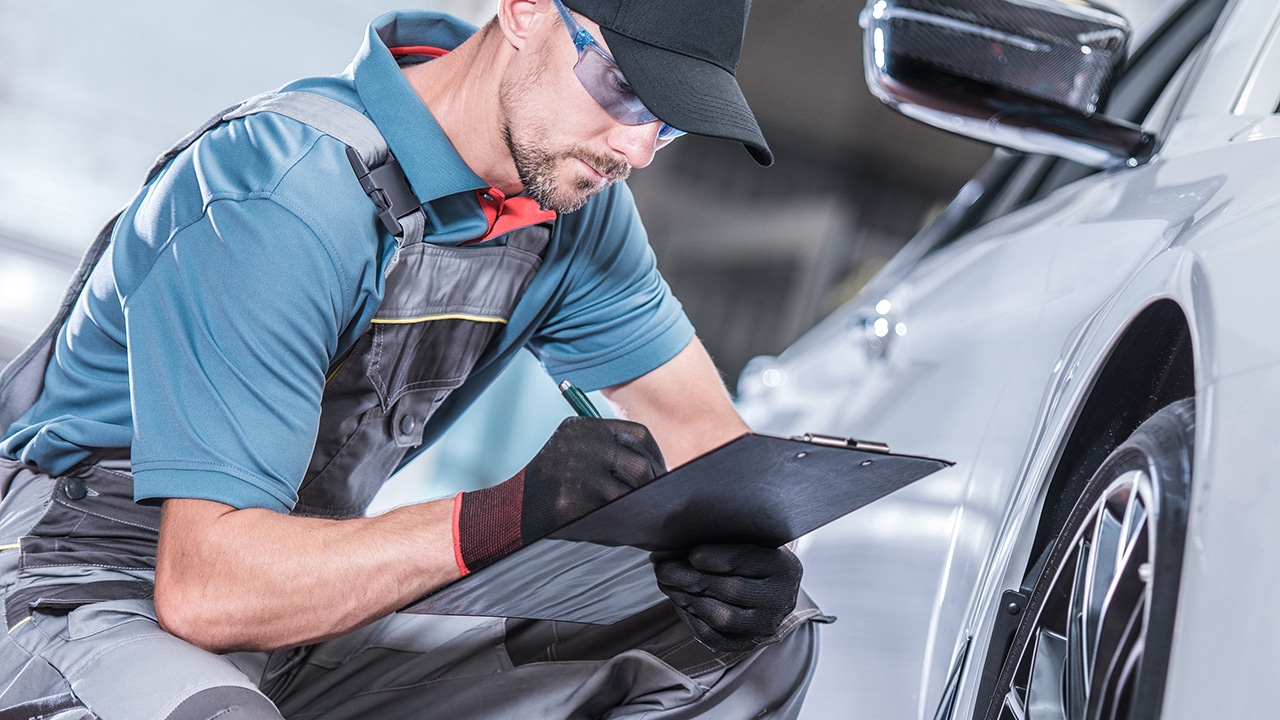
point(519, 18)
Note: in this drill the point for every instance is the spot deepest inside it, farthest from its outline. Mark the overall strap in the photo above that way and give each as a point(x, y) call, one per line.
point(531, 238)
point(22, 380)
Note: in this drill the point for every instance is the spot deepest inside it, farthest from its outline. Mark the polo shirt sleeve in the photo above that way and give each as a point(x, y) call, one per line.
point(615, 318)
point(230, 334)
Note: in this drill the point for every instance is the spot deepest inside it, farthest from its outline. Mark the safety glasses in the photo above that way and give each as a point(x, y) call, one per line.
point(604, 82)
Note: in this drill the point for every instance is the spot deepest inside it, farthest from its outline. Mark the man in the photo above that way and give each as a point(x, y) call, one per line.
point(259, 347)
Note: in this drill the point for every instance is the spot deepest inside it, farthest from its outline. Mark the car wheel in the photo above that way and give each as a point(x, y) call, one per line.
point(1093, 641)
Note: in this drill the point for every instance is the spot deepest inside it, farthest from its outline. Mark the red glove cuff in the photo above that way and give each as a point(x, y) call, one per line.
point(486, 524)
point(457, 542)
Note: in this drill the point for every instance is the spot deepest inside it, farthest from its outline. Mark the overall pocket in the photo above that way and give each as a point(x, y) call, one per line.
point(92, 544)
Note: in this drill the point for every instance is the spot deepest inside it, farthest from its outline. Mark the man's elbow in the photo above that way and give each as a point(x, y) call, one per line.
point(191, 603)
point(187, 613)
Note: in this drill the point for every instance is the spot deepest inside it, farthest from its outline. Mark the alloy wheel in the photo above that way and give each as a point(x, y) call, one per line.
point(1094, 640)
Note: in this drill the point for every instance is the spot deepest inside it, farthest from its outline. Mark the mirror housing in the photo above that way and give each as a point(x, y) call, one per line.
point(1028, 75)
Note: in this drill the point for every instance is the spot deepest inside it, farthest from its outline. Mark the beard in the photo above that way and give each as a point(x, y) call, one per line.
point(539, 171)
point(538, 165)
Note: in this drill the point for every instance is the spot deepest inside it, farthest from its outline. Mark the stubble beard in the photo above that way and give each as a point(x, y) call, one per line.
point(538, 167)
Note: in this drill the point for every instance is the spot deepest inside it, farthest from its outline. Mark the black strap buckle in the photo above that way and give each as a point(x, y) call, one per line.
point(389, 189)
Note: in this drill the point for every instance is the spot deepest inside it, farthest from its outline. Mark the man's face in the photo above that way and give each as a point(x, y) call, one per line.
point(560, 177)
point(565, 146)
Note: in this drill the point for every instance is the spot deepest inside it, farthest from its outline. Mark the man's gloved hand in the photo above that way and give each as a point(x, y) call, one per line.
point(586, 463)
point(732, 596)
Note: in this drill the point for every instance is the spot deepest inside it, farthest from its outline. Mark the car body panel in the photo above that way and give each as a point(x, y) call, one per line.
point(1226, 647)
point(1003, 335)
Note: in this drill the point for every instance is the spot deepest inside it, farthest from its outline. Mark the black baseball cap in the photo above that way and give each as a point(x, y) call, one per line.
point(681, 57)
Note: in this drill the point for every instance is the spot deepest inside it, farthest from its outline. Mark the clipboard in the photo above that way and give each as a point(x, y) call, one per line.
point(758, 489)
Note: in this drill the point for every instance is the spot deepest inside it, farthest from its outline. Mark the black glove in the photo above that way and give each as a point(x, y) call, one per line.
point(732, 596)
point(586, 463)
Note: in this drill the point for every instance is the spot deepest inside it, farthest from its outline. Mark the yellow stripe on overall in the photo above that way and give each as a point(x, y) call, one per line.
point(446, 316)
point(424, 318)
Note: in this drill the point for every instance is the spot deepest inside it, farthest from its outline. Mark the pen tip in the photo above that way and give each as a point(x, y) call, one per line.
point(565, 385)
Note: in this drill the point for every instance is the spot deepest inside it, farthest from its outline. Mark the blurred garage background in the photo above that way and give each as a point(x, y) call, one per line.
point(91, 92)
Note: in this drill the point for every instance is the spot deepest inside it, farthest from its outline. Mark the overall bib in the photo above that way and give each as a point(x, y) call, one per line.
point(77, 554)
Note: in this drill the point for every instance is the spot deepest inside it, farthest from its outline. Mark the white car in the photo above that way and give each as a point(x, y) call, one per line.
point(1088, 333)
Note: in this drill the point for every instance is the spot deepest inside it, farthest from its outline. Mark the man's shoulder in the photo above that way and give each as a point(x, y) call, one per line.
point(256, 152)
point(262, 156)
point(301, 173)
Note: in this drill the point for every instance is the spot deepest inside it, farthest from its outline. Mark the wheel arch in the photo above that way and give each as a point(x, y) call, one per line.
point(1149, 367)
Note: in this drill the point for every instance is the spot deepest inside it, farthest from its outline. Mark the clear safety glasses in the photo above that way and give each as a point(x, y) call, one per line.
point(600, 75)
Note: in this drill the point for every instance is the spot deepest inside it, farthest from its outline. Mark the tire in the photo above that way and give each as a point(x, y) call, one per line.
point(1094, 639)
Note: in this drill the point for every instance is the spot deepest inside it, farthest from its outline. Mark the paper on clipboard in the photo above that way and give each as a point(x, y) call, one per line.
point(756, 489)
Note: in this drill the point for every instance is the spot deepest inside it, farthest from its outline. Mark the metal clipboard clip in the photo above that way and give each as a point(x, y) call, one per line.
point(843, 442)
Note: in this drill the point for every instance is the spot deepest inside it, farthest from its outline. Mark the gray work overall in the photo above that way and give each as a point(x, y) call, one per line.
point(77, 554)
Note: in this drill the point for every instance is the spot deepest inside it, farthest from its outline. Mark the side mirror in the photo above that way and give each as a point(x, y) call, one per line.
point(1027, 75)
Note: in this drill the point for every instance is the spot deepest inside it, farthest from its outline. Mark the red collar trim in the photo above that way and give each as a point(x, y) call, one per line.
point(407, 50)
point(506, 214)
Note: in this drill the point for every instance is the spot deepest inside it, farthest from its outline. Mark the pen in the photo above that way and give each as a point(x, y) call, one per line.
point(578, 400)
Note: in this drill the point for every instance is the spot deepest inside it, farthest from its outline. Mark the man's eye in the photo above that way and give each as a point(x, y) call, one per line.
point(619, 84)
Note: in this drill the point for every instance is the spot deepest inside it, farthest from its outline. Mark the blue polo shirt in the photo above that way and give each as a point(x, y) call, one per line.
point(239, 273)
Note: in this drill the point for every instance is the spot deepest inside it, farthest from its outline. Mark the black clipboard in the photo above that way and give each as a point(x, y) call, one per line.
point(757, 489)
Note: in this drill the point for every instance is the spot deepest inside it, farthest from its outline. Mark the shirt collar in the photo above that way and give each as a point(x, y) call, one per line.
point(433, 167)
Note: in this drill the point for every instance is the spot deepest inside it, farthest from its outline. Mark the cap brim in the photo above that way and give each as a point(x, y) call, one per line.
point(687, 93)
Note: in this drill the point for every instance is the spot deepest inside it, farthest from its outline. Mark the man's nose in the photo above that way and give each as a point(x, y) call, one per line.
point(637, 143)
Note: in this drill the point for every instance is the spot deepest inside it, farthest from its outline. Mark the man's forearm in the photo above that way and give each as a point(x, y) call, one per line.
point(684, 403)
point(254, 579)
